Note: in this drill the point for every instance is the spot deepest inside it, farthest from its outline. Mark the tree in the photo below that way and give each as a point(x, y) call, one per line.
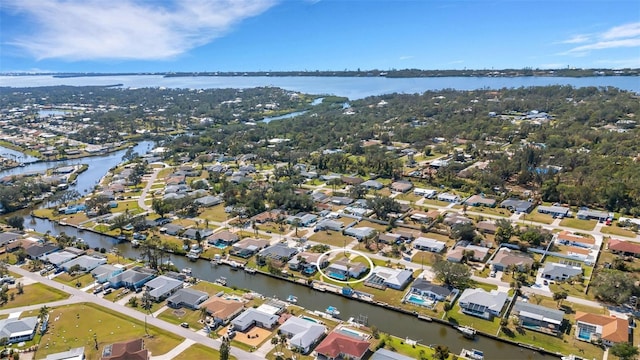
point(43, 313)
point(454, 274)
point(382, 206)
point(463, 232)
point(624, 351)
point(16, 222)
point(133, 301)
point(614, 286)
point(504, 231)
point(559, 296)
point(441, 352)
point(161, 207)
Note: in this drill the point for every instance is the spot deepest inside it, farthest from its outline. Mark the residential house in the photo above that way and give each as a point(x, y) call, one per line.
point(483, 304)
point(223, 238)
point(303, 219)
point(162, 287)
point(555, 211)
point(587, 214)
point(422, 217)
point(626, 248)
point(453, 219)
point(103, 273)
point(382, 276)
point(251, 317)
point(428, 193)
point(16, 330)
point(328, 224)
point(279, 252)
point(560, 272)
point(223, 310)
point(518, 206)
point(341, 200)
point(129, 350)
point(389, 238)
point(568, 238)
point(478, 253)
point(401, 186)
point(307, 259)
point(37, 250)
point(58, 258)
point(133, 278)
point(71, 354)
point(609, 329)
point(372, 184)
point(448, 197)
point(303, 334)
point(267, 216)
point(339, 346)
point(351, 180)
point(188, 298)
point(8, 237)
point(384, 354)
point(487, 227)
point(479, 200)
point(360, 233)
point(171, 229)
point(248, 247)
point(85, 262)
point(538, 318)
point(506, 257)
point(426, 244)
point(208, 201)
point(343, 270)
point(193, 233)
point(430, 290)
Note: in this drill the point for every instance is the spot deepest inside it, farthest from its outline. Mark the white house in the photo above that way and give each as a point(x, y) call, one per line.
point(427, 244)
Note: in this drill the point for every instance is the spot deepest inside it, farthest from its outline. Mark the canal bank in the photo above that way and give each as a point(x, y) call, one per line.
point(388, 319)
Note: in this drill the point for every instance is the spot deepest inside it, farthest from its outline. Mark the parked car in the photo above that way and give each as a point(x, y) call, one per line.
point(184, 325)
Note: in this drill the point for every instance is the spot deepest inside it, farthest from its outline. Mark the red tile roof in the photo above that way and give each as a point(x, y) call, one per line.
point(570, 237)
point(335, 344)
point(130, 350)
point(624, 246)
point(613, 329)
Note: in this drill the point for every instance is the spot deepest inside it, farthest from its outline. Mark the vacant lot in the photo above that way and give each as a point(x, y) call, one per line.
point(34, 294)
point(587, 225)
point(199, 352)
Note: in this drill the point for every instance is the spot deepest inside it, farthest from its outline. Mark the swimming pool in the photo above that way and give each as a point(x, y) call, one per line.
point(220, 245)
point(420, 300)
point(338, 276)
point(584, 334)
point(309, 319)
point(353, 333)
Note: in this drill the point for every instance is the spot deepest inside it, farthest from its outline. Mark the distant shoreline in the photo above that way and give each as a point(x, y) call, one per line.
point(406, 73)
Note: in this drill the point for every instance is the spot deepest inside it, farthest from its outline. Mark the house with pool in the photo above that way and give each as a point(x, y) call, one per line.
point(425, 293)
point(483, 304)
point(344, 270)
point(610, 329)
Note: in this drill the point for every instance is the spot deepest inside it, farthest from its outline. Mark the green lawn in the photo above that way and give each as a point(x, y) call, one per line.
point(415, 352)
point(586, 225)
point(537, 217)
point(200, 352)
point(333, 238)
point(489, 211)
point(84, 279)
point(75, 325)
point(456, 317)
point(182, 315)
point(34, 294)
point(616, 230)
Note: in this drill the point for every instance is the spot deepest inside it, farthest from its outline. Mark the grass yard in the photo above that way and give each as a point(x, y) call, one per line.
point(435, 202)
point(586, 225)
point(178, 316)
point(415, 352)
point(75, 219)
point(489, 211)
point(537, 217)
point(34, 294)
point(200, 352)
point(84, 279)
point(456, 317)
point(618, 231)
point(332, 238)
point(214, 213)
point(75, 325)
point(426, 258)
point(379, 227)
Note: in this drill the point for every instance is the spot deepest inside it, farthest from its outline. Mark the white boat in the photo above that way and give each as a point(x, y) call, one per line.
point(186, 271)
point(472, 354)
point(221, 281)
point(332, 311)
point(292, 299)
point(250, 270)
point(467, 331)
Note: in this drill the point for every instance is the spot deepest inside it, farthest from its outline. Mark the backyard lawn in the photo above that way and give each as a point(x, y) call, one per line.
point(586, 225)
point(76, 325)
point(200, 352)
point(456, 317)
point(34, 294)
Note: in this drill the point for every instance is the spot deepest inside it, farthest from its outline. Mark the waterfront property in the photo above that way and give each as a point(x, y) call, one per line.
point(279, 252)
point(384, 354)
point(104, 273)
point(71, 354)
point(305, 260)
point(302, 334)
point(538, 318)
point(223, 238)
point(609, 329)
point(343, 270)
point(162, 287)
point(426, 289)
point(383, 277)
point(483, 304)
point(337, 345)
point(17, 330)
point(188, 298)
point(248, 247)
point(223, 310)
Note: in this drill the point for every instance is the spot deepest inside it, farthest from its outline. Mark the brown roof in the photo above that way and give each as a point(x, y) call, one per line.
point(613, 329)
point(487, 226)
point(225, 235)
point(578, 250)
point(506, 257)
point(223, 308)
point(351, 180)
point(130, 350)
point(568, 236)
point(245, 243)
point(335, 344)
point(624, 246)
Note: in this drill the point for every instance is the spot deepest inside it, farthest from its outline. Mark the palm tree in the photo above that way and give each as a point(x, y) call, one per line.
point(43, 313)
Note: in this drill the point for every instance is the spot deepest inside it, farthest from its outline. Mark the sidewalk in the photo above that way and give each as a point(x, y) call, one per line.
point(175, 351)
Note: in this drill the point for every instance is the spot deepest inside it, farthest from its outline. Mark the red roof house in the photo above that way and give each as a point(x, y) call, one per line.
point(338, 346)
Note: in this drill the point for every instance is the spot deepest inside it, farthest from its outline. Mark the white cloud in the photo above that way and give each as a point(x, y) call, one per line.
point(576, 39)
point(144, 30)
point(623, 31)
point(406, 57)
point(623, 36)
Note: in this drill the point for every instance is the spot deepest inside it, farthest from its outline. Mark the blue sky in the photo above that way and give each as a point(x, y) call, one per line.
point(270, 35)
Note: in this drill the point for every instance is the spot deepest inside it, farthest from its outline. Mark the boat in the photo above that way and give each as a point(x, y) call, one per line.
point(221, 281)
point(472, 354)
point(250, 270)
point(332, 311)
point(135, 243)
point(186, 271)
point(292, 299)
point(425, 318)
point(234, 265)
point(193, 256)
point(467, 331)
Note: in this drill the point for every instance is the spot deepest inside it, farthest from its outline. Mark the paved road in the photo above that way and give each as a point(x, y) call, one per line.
point(79, 296)
point(150, 181)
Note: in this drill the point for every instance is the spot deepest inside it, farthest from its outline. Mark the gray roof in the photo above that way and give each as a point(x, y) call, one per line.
point(188, 297)
point(57, 258)
point(329, 224)
point(7, 237)
point(360, 232)
point(304, 332)
point(86, 262)
point(426, 285)
point(493, 300)
point(554, 209)
point(397, 277)
point(209, 200)
point(131, 276)
point(384, 354)
point(104, 269)
point(252, 315)
point(162, 285)
point(556, 269)
point(38, 250)
point(279, 251)
point(74, 353)
point(16, 327)
point(538, 312)
point(517, 205)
